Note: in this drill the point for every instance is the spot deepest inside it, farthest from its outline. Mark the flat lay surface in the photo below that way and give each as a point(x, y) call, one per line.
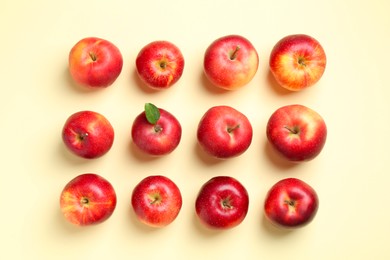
point(351, 175)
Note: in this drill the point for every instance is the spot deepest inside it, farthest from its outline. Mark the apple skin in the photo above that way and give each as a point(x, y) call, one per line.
point(156, 139)
point(224, 132)
point(156, 201)
point(291, 203)
point(222, 203)
point(95, 62)
point(88, 134)
point(160, 64)
point(88, 199)
point(297, 132)
point(230, 62)
point(297, 61)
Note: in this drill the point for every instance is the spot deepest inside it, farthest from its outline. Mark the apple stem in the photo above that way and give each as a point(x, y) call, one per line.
point(231, 129)
point(291, 203)
point(158, 128)
point(82, 136)
point(163, 65)
point(301, 61)
point(233, 55)
point(293, 130)
point(93, 56)
point(156, 199)
point(226, 204)
point(84, 201)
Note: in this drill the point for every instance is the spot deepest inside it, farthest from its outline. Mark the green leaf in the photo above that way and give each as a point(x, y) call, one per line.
point(152, 113)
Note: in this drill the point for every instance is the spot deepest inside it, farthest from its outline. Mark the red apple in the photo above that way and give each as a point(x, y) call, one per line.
point(222, 203)
point(224, 132)
point(88, 134)
point(87, 199)
point(230, 62)
point(156, 131)
point(297, 61)
point(156, 201)
point(95, 62)
point(291, 203)
point(297, 132)
point(160, 64)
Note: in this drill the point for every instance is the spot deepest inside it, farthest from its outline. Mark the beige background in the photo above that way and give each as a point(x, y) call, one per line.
point(351, 175)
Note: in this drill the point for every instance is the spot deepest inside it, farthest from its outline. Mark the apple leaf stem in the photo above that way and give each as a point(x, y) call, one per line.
point(152, 113)
point(233, 55)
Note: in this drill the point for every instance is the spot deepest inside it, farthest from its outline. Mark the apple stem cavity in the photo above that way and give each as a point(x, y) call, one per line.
point(233, 55)
point(152, 114)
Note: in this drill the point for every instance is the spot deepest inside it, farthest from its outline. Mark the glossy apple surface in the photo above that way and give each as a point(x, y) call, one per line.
point(297, 61)
point(230, 62)
point(88, 134)
point(160, 64)
point(224, 132)
point(87, 199)
point(291, 203)
point(222, 203)
point(156, 201)
point(159, 138)
point(95, 62)
point(297, 132)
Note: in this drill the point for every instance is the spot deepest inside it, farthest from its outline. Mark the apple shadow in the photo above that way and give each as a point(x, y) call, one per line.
point(277, 159)
point(140, 155)
point(141, 85)
point(205, 231)
point(209, 87)
point(206, 158)
point(76, 87)
point(274, 85)
point(273, 230)
point(138, 225)
point(70, 157)
point(62, 224)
